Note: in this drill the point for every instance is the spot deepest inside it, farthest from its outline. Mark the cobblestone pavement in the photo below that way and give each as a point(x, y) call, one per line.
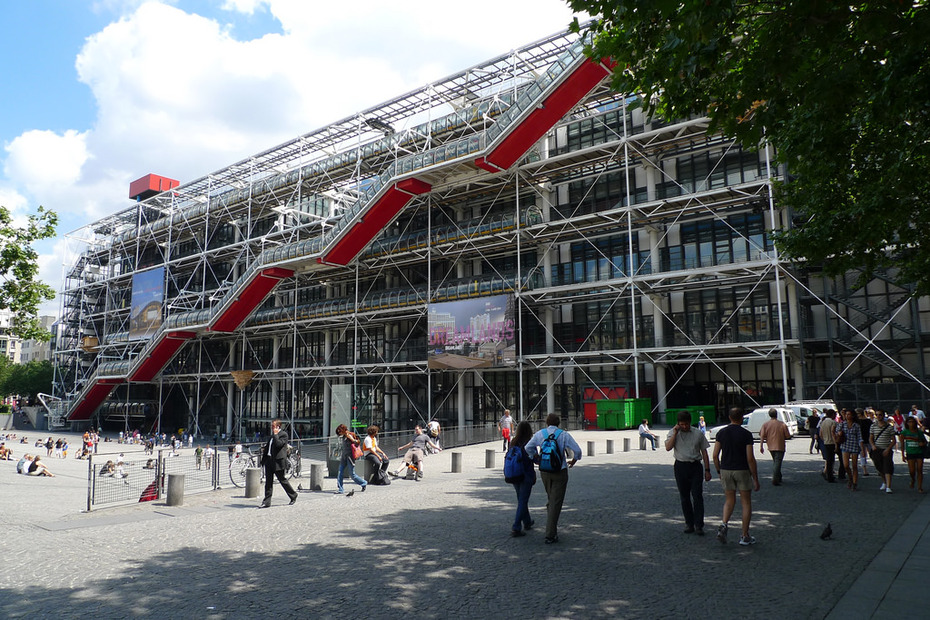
point(441, 547)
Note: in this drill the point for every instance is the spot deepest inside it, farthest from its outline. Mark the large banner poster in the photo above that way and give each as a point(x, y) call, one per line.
point(148, 298)
point(473, 333)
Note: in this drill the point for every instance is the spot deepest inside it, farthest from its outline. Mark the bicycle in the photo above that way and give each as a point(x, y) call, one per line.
point(239, 464)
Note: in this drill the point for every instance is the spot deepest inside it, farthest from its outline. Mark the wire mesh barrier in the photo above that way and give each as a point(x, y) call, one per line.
point(115, 479)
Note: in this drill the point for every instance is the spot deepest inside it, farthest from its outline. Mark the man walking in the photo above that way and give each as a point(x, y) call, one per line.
point(274, 459)
point(827, 424)
point(774, 432)
point(505, 426)
point(555, 482)
point(736, 467)
point(690, 446)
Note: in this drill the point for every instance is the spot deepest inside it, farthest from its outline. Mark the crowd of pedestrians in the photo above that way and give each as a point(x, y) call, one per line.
point(861, 436)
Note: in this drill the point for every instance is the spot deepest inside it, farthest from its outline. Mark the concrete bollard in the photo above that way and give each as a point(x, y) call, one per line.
point(610, 446)
point(175, 489)
point(363, 469)
point(316, 476)
point(489, 459)
point(642, 442)
point(626, 444)
point(590, 448)
point(253, 482)
point(456, 462)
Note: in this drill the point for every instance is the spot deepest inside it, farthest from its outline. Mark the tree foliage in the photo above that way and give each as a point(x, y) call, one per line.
point(841, 89)
point(20, 289)
point(25, 379)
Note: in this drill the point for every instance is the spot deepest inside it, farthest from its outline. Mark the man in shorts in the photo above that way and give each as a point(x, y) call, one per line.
point(736, 467)
point(505, 425)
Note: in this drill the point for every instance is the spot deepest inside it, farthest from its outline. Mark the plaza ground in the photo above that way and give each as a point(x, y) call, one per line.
point(441, 547)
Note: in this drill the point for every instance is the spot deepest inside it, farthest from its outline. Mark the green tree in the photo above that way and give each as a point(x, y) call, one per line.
point(26, 379)
point(840, 89)
point(20, 289)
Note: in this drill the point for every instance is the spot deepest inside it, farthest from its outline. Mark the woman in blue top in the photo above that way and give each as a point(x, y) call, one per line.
point(522, 436)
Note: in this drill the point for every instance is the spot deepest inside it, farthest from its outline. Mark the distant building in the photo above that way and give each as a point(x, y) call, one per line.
point(10, 345)
point(34, 350)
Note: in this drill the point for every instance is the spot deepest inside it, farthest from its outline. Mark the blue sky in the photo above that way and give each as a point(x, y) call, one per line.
point(96, 93)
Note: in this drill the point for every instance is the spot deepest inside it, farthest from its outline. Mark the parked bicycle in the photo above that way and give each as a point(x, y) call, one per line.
point(249, 460)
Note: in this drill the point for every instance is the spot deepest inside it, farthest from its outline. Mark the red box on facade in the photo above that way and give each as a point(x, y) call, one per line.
point(149, 185)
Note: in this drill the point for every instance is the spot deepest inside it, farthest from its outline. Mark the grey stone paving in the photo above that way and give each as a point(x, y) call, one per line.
point(440, 547)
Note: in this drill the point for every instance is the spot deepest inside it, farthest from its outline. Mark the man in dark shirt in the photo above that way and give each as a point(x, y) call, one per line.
point(736, 467)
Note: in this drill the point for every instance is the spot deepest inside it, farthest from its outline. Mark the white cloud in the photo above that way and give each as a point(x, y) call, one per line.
point(177, 94)
point(243, 6)
point(38, 158)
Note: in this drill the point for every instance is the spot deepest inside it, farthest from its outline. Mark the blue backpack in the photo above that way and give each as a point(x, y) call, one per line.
point(514, 468)
point(550, 456)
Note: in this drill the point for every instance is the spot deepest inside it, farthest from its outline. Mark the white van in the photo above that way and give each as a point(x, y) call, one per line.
point(802, 410)
point(754, 420)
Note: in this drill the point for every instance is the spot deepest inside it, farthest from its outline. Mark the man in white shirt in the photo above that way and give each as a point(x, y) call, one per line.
point(556, 482)
point(505, 425)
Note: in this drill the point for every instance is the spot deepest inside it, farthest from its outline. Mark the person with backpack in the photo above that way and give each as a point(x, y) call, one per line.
point(520, 472)
point(548, 449)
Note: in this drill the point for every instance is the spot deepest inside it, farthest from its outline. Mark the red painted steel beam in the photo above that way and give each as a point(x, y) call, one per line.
point(543, 118)
point(378, 215)
point(94, 398)
point(160, 355)
point(249, 298)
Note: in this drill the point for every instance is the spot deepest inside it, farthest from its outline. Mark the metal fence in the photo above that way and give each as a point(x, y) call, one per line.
point(142, 476)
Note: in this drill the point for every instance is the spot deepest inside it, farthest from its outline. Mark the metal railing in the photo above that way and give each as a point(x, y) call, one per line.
point(143, 476)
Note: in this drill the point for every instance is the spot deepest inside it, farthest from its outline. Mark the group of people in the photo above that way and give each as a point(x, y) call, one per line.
point(735, 465)
point(32, 466)
point(860, 435)
point(424, 442)
point(551, 450)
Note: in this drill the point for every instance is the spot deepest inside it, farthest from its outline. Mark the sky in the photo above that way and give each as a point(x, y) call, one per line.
point(97, 93)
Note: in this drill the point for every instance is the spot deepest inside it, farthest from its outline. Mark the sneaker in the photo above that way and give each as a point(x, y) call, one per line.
point(883, 487)
point(722, 533)
point(550, 541)
point(364, 486)
point(517, 533)
point(699, 531)
point(745, 541)
point(689, 529)
point(888, 490)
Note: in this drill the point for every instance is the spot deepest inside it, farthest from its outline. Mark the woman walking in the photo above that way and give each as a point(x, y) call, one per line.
point(913, 441)
point(523, 488)
point(849, 436)
point(350, 443)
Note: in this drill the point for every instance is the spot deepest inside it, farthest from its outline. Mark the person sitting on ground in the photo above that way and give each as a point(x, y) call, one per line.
point(5, 453)
point(648, 434)
point(108, 469)
point(149, 464)
point(22, 467)
point(416, 453)
point(38, 468)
